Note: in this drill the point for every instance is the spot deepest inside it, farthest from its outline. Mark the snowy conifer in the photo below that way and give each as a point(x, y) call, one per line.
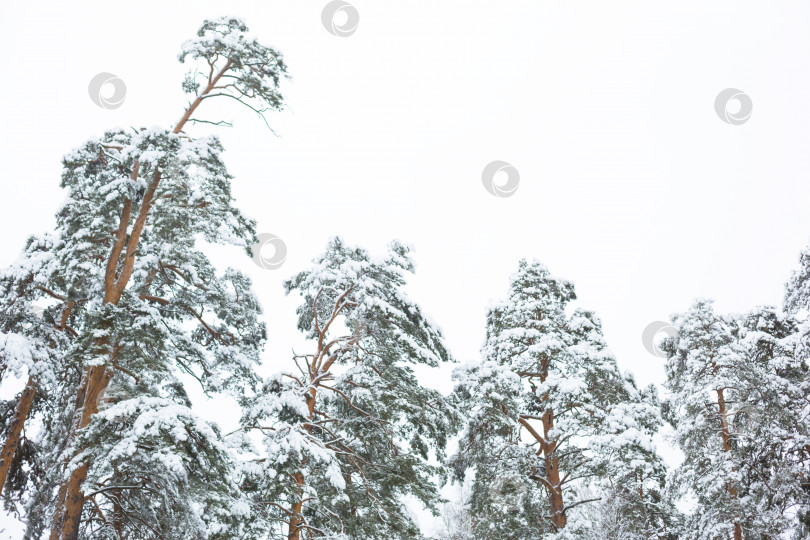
point(705, 360)
point(146, 308)
point(771, 425)
point(551, 420)
point(35, 333)
point(738, 403)
point(348, 433)
point(797, 304)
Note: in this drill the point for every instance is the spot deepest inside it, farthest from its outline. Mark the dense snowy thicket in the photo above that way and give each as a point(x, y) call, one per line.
point(106, 316)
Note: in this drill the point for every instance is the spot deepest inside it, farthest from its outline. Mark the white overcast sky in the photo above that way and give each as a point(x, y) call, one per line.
point(630, 184)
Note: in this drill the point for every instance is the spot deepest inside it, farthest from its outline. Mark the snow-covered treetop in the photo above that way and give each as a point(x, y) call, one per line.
point(797, 288)
point(549, 409)
point(348, 435)
point(530, 322)
point(249, 70)
point(705, 352)
point(370, 290)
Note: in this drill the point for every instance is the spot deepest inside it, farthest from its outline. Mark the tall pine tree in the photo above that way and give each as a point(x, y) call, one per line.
point(348, 431)
point(138, 306)
point(739, 406)
point(551, 420)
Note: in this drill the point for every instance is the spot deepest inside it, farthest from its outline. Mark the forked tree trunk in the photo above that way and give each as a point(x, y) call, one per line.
point(317, 370)
point(69, 505)
point(551, 480)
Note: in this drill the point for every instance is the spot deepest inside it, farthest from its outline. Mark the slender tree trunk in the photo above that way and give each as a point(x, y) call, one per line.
point(15, 430)
point(552, 465)
point(118, 514)
point(551, 480)
point(726, 436)
point(551, 462)
point(296, 519)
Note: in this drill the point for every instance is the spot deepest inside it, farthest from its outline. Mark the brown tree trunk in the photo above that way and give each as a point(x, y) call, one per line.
point(15, 429)
point(552, 464)
point(98, 378)
point(296, 520)
point(725, 434)
point(73, 504)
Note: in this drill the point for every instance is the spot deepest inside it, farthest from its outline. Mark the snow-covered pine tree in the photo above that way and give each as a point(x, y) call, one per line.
point(797, 304)
point(551, 420)
point(348, 432)
point(771, 425)
point(631, 479)
point(737, 404)
point(145, 307)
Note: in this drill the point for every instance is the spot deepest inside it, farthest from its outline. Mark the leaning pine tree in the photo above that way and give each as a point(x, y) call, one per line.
point(348, 431)
point(551, 421)
point(136, 308)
